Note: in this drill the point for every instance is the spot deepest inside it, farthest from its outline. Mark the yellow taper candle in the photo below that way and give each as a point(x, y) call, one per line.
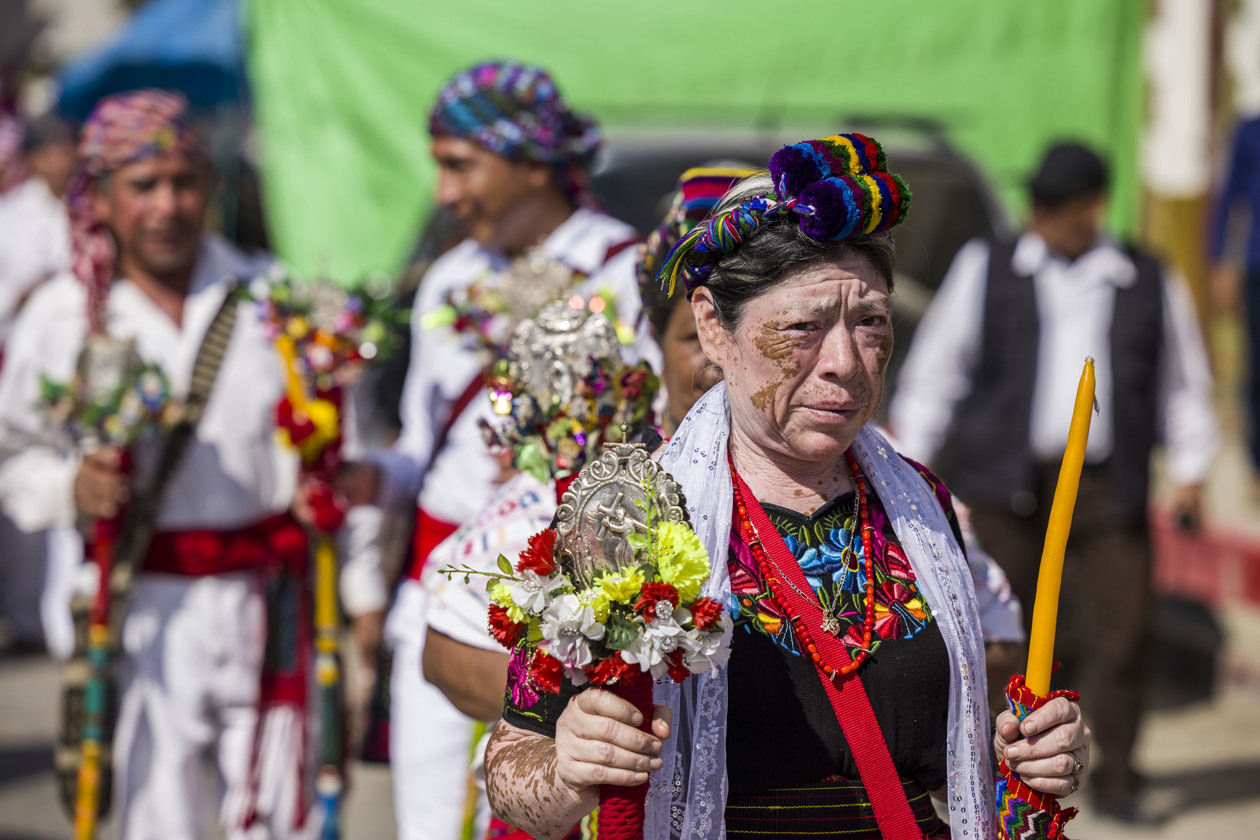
point(1046, 607)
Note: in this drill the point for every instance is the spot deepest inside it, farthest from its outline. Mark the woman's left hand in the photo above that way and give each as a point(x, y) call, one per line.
point(1053, 754)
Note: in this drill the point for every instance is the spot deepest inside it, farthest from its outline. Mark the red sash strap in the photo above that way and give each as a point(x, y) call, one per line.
point(430, 531)
point(617, 247)
point(277, 542)
point(848, 699)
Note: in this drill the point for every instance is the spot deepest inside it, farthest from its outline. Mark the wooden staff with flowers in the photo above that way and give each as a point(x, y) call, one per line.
point(113, 401)
point(611, 597)
point(325, 335)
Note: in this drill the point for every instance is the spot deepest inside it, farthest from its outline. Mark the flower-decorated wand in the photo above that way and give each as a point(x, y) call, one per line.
point(1022, 811)
point(324, 336)
point(611, 597)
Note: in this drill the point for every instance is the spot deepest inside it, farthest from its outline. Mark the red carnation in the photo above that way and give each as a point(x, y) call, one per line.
point(677, 670)
point(632, 384)
point(652, 594)
point(299, 427)
point(608, 672)
point(505, 631)
point(540, 557)
point(705, 613)
point(327, 510)
point(545, 671)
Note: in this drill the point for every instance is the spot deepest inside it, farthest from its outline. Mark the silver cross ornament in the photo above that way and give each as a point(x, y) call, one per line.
point(607, 502)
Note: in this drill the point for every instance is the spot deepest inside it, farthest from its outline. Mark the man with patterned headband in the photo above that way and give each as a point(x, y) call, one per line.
point(213, 655)
point(513, 164)
point(855, 688)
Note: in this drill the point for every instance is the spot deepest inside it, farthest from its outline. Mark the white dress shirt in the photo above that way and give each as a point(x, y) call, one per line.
point(1075, 304)
point(34, 244)
point(233, 474)
point(521, 507)
point(455, 484)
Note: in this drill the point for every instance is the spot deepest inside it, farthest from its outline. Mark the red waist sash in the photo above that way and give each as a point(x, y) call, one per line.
point(277, 542)
point(430, 531)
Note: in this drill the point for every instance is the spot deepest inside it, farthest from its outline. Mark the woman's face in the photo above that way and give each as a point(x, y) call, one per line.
point(684, 359)
point(805, 366)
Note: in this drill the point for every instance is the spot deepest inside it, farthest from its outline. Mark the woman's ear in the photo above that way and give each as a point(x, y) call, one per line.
point(714, 339)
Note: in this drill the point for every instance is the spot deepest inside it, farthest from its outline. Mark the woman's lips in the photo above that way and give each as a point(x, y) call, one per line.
point(831, 410)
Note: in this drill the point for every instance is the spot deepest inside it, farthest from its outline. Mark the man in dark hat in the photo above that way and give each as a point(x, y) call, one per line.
point(988, 387)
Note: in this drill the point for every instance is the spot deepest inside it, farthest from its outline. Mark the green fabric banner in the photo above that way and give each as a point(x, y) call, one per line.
point(343, 89)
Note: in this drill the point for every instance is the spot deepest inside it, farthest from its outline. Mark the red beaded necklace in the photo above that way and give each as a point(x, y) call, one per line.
point(772, 576)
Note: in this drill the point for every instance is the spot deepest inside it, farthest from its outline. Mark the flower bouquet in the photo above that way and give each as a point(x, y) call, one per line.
point(114, 398)
point(611, 597)
point(326, 336)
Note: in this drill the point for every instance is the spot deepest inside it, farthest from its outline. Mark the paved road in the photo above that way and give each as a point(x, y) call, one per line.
point(1203, 758)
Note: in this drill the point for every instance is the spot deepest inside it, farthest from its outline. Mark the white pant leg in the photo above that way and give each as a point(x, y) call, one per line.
point(194, 657)
point(65, 556)
point(164, 722)
point(430, 740)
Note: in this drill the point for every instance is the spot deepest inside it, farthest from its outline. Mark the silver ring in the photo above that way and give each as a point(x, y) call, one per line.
point(1075, 784)
point(1078, 767)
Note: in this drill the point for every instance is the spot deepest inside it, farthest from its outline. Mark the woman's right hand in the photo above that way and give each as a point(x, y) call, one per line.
point(598, 742)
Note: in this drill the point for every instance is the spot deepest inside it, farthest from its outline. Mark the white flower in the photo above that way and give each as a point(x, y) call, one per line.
point(704, 651)
point(660, 638)
point(568, 625)
point(530, 592)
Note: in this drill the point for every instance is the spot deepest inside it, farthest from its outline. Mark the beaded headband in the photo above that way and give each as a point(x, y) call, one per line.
point(835, 188)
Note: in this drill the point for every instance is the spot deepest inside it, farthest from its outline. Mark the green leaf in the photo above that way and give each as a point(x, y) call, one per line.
point(637, 541)
point(505, 565)
point(620, 632)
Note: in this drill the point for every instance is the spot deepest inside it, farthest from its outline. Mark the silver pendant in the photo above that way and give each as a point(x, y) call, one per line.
point(552, 353)
point(607, 502)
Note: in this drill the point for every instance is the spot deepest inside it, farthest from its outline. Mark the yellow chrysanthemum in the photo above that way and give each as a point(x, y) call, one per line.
point(597, 600)
point(681, 558)
point(616, 587)
point(499, 594)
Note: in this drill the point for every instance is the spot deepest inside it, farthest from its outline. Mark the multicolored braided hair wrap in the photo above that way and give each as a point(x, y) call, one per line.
point(122, 129)
point(515, 110)
point(835, 188)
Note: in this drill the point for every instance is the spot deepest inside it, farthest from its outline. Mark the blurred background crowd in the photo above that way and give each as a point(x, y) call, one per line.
point(316, 116)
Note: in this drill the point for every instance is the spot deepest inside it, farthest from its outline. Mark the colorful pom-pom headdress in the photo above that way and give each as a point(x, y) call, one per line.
point(835, 188)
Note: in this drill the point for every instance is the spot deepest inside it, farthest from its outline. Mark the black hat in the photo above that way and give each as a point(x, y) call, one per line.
point(1068, 171)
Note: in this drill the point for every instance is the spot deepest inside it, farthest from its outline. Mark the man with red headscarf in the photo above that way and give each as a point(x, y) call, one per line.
point(199, 671)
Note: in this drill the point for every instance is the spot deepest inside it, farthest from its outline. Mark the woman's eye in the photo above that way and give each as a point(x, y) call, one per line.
point(800, 327)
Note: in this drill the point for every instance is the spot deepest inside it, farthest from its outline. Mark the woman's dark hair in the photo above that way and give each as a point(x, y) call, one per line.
point(778, 248)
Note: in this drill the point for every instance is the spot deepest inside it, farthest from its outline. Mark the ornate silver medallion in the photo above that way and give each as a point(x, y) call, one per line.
point(609, 501)
point(553, 352)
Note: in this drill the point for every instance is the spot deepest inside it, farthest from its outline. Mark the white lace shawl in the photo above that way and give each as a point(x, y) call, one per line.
point(687, 796)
